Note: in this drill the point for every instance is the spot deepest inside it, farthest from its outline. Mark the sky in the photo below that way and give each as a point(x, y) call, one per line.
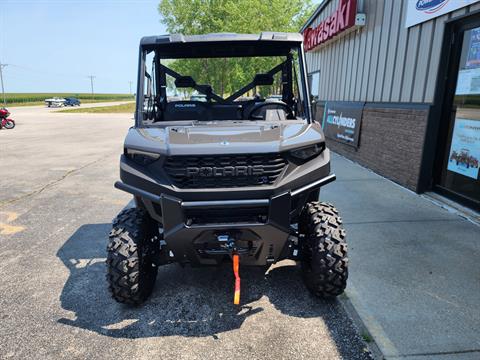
point(53, 46)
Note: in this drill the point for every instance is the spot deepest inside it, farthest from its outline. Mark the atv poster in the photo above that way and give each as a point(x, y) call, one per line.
point(342, 121)
point(464, 154)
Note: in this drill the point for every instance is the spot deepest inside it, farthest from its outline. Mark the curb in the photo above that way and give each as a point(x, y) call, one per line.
point(349, 308)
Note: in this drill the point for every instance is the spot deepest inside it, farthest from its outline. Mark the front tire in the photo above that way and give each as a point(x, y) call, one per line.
point(131, 252)
point(324, 262)
point(9, 124)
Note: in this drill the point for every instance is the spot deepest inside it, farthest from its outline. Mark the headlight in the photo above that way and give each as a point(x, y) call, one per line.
point(141, 157)
point(309, 152)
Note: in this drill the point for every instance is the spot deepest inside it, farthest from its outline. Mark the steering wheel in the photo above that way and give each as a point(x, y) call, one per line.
point(257, 107)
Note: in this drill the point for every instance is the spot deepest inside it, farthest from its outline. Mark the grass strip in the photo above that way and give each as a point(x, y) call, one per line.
point(122, 108)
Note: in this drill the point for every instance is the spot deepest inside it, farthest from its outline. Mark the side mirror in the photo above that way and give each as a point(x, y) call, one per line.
point(317, 115)
point(148, 99)
point(149, 85)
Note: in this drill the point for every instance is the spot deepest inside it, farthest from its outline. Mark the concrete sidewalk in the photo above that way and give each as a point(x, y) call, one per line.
point(414, 267)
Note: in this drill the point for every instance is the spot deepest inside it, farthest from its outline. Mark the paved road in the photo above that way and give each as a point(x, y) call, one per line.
point(56, 204)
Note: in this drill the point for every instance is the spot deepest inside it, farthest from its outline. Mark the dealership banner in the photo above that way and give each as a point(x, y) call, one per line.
point(419, 11)
point(342, 121)
point(464, 155)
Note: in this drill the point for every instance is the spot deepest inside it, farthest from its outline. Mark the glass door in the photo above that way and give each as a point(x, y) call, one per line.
point(459, 173)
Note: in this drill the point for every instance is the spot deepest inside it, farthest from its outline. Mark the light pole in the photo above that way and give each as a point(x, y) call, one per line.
point(91, 83)
point(130, 83)
point(1, 80)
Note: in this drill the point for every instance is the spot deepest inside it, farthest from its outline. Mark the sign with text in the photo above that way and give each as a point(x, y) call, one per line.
point(464, 155)
point(419, 11)
point(342, 122)
point(468, 82)
point(340, 20)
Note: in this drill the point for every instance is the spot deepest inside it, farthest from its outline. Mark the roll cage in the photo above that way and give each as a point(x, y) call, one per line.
point(153, 106)
point(260, 79)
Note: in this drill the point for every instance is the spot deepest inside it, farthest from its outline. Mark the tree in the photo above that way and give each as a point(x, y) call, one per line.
point(194, 17)
point(242, 16)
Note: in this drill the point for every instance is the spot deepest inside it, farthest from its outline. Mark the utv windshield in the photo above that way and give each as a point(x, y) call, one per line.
point(220, 82)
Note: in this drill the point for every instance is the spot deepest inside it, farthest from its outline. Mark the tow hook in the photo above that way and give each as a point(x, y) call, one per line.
point(229, 244)
point(236, 266)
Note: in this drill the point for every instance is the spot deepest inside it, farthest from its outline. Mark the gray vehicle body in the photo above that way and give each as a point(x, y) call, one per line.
point(195, 219)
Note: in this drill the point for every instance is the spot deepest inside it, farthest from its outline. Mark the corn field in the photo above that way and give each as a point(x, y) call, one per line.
point(20, 98)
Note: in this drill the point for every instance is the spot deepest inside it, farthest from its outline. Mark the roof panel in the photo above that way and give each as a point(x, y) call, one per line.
point(221, 37)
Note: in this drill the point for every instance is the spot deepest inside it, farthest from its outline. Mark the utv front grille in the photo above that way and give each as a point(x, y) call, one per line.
point(223, 171)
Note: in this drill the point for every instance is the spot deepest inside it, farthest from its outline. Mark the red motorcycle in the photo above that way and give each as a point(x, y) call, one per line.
point(5, 122)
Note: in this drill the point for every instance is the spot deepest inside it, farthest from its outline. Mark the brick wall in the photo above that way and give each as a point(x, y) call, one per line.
point(391, 141)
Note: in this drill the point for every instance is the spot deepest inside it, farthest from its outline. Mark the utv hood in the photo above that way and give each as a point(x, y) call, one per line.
point(223, 137)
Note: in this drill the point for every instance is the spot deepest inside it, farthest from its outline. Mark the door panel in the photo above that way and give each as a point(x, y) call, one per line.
point(459, 172)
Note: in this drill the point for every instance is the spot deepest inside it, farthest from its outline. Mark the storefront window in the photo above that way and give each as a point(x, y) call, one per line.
point(460, 173)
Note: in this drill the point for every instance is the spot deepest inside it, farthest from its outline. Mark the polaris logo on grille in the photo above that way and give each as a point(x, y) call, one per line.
point(225, 171)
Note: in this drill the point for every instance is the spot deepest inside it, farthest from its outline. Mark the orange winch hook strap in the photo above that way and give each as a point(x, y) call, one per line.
point(236, 263)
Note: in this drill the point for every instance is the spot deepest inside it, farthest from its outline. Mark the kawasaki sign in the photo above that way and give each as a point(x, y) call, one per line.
point(419, 11)
point(343, 18)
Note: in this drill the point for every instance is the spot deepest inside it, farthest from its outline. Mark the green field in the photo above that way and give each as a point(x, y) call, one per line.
point(21, 99)
point(123, 108)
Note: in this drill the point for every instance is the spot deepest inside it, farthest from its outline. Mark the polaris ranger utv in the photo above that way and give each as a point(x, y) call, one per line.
point(234, 177)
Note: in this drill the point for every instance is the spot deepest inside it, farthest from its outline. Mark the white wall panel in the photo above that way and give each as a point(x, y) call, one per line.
point(383, 61)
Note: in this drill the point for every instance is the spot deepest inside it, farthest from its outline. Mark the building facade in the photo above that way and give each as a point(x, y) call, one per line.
point(396, 84)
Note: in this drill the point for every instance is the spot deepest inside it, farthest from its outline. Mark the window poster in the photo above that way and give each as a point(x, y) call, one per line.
point(468, 82)
point(473, 56)
point(464, 154)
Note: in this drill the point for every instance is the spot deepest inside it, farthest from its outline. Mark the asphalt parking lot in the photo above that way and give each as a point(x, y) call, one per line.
point(56, 204)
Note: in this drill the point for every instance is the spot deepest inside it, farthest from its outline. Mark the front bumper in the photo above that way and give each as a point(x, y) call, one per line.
point(191, 228)
point(258, 218)
point(259, 242)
